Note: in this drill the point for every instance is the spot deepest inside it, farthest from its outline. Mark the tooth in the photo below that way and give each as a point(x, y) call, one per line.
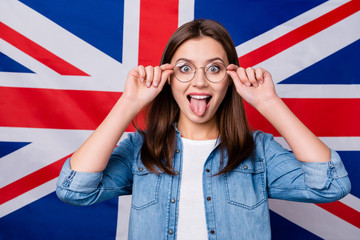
point(199, 96)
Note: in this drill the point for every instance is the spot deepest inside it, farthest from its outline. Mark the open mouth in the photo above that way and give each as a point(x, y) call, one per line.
point(200, 97)
point(199, 103)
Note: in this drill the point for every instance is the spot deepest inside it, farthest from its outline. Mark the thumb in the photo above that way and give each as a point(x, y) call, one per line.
point(236, 80)
point(164, 76)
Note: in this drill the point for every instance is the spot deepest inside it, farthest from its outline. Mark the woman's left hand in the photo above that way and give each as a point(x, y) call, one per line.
point(254, 85)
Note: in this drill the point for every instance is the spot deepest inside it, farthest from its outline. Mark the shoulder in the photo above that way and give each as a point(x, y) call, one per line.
point(130, 143)
point(266, 145)
point(261, 138)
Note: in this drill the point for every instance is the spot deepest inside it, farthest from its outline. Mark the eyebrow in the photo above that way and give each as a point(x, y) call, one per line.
point(209, 60)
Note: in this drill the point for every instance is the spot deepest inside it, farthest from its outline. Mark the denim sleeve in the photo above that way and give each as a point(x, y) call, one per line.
point(290, 179)
point(84, 188)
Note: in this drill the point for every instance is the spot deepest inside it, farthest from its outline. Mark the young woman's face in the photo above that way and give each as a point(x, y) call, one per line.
point(199, 98)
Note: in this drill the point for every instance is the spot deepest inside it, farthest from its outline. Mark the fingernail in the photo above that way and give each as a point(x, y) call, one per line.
point(142, 80)
point(155, 84)
point(248, 84)
point(148, 84)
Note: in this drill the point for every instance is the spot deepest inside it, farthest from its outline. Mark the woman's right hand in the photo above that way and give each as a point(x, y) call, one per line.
point(143, 84)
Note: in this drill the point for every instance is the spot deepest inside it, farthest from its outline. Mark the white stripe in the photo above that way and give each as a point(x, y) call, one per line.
point(46, 147)
point(124, 207)
point(106, 73)
point(288, 26)
point(351, 201)
point(315, 219)
point(186, 11)
point(131, 33)
point(310, 51)
point(318, 91)
point(27, 61)
point(27, 198)
point(336, 143)
point(54, 38)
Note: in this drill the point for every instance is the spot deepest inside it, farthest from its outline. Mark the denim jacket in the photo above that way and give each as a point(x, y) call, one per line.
point(236, 203)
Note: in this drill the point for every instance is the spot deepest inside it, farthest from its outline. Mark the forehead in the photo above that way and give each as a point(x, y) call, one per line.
point(200, 50)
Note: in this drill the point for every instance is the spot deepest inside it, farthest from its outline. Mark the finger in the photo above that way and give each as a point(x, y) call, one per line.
point(157, 76)
point(164, 76)
point(166, 66)
point(232, 67)
point(259, 72)
point(250, 72)
point(142, 74)
point(243, 76)
point(236, 79)
point(149, 75)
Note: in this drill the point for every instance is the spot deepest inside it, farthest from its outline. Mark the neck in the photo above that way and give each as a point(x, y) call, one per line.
point(198, 131)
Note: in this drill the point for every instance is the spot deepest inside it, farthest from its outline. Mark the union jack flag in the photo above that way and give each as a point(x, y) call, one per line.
point(63, 65)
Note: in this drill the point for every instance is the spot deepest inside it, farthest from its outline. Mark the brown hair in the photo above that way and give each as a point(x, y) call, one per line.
point(160, 137)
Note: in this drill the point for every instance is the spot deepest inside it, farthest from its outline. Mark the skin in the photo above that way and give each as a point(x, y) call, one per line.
point(200, 52)
point(143, 84)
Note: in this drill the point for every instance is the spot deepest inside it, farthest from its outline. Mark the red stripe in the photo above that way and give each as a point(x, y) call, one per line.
point(75, 109)
point(59, 109)
point(307, 30)
point(31, 181)
point(343, 211)
point(39, 53)
point(158, 20)
point(324, 117)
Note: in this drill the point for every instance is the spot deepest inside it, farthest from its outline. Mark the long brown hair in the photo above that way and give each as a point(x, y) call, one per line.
point(159, 138)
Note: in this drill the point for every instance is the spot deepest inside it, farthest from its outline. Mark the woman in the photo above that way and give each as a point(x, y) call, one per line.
point(197, 171)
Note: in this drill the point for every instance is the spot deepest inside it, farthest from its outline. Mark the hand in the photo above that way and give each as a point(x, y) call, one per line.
point(143, 84)
point(253, 85)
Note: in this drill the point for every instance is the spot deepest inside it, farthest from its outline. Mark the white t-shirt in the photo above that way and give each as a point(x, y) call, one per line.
point(192, 220)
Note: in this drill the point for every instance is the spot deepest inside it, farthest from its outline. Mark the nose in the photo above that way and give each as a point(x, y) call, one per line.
point(199, 79)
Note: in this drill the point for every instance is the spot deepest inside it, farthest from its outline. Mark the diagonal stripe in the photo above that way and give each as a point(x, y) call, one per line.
point(315, 219)
point(37, 52)
point(343, 211)
point(158, 20)
point(31, 181)
point(297, 35)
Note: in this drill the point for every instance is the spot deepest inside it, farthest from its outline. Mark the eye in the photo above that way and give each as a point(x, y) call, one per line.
point(214, 69)
point(185, 69)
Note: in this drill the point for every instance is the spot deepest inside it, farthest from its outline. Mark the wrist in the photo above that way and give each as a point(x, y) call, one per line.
point(130, 106)
point(269, 105)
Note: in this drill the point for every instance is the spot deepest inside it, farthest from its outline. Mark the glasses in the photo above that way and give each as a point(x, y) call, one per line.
point(214, 72)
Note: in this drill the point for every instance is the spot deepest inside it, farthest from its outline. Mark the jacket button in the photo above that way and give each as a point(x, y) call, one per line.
point(171, 232)
point(245, 167)
point(212, 231)
point(172, 200)
point(177, 151)
point(208, 198)
point(140, 169)
point(207, 170)
point(176, 173)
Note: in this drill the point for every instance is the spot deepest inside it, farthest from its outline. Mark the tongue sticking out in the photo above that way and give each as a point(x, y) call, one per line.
point(198, 106)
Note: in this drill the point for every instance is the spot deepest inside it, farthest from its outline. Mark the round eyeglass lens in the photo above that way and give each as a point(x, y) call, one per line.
point(184, 71)
point(214, 72)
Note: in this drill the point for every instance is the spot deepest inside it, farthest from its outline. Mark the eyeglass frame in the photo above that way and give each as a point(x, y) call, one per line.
point(196, 68)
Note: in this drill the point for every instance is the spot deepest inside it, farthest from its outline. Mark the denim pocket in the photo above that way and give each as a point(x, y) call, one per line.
point(245, 185)
point(145, 188)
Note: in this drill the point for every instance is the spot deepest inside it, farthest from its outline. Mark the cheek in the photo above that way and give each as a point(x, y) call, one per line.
point(176, 92)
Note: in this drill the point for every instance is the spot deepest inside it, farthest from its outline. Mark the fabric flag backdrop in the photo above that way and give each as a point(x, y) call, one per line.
point(63, 65)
